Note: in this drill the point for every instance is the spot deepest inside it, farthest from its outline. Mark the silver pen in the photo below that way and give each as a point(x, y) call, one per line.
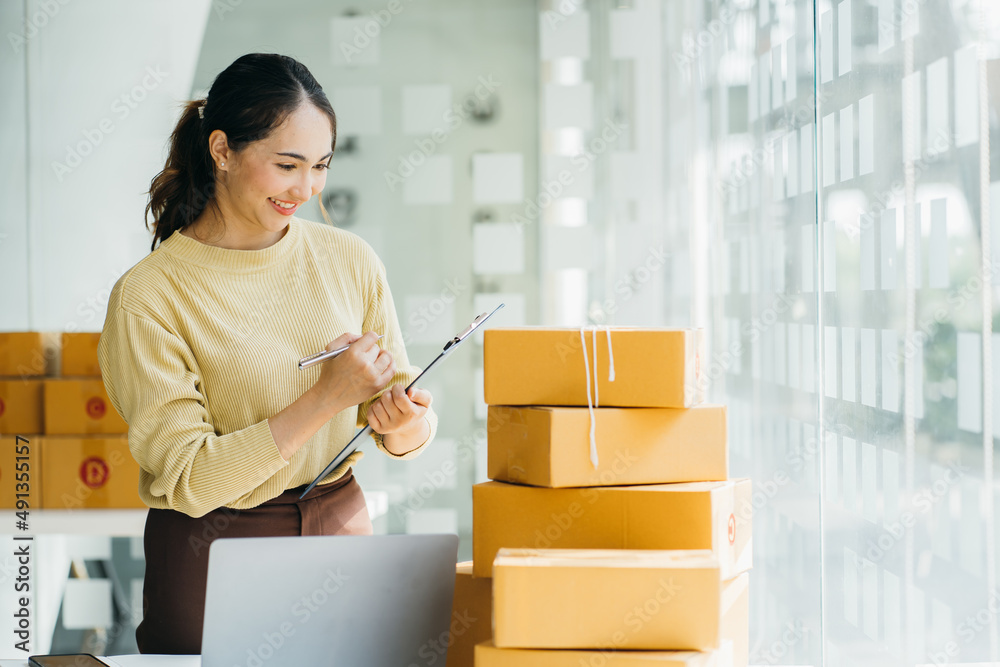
point(314, 359)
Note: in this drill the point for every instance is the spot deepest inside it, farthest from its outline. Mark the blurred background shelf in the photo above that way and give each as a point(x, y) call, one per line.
point(118, 522)
point(109, 522)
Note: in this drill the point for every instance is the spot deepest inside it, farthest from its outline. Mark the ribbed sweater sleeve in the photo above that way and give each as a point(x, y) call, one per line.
point(381, 317)
point(192, 468)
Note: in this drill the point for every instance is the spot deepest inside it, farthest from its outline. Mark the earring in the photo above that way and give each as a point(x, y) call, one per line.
point(222, 164)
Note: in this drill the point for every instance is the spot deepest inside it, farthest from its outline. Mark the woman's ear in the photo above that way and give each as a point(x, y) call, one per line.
point(218, 146)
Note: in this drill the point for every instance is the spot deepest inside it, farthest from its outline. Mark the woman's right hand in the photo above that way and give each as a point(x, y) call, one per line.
point(356, 374)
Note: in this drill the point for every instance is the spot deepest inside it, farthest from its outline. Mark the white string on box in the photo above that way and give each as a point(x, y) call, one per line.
point(591, 402)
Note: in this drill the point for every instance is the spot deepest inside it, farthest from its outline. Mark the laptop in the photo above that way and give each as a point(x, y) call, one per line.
point(344, 600)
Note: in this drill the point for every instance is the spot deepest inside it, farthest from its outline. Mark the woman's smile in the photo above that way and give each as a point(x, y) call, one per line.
point(283, 207)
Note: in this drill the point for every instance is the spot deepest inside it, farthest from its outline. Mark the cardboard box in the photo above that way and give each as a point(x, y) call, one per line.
point(653, 367)
point(89, 471)
point(610, 599)
point(696, 515)
point(487, 655)
point(23, 353)
point(21, 406)
point(471, 614)
point(550, 446)
point(76, 407)
point(20, 464)
point(79, 354)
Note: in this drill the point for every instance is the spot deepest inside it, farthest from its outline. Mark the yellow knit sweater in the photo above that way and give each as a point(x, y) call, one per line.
point(200, 348)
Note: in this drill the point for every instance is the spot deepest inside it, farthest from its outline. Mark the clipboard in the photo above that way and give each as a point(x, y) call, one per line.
point(449, 347)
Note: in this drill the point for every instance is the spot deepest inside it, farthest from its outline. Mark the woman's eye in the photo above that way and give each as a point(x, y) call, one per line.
point(323, 165)
point(287, 167)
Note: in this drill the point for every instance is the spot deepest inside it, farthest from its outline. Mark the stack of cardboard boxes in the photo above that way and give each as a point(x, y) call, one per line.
point(53, 395)
point(611, 522)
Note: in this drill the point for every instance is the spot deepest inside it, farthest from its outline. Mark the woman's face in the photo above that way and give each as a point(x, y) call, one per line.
point(267, 181)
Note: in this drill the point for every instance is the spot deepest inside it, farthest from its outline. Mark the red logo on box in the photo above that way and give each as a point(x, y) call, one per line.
point(732, 528)
point(96, 407)
point(2, 407)
point(94, 472)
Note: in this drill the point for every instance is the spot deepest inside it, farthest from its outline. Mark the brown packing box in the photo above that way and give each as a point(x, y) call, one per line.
point(23, 353)
point(695, 515)
point(611, 599)
point(20, 405)
point(89, 471)
point(19, 464)
point(79, 354)
point(470, 615)
point(487, 655)
point(654, 367)
point(80, 406)
point(550, 446)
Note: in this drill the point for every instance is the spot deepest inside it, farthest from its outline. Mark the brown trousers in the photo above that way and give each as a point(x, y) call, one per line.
point(176, 547)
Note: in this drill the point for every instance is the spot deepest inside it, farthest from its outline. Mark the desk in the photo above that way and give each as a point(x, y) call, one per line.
point(133, 661)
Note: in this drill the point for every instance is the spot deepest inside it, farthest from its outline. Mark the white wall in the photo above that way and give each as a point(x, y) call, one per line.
point(13, 221)
point(105, 80)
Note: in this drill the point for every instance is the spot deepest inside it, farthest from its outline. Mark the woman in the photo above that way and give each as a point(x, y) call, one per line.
point(202, 339)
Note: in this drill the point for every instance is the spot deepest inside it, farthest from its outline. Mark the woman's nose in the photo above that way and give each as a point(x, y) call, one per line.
point(303, 188)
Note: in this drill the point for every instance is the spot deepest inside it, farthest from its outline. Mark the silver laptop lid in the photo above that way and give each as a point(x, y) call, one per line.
point(349, 601)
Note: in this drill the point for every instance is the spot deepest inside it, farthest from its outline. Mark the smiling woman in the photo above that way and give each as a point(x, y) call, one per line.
point(199, 352)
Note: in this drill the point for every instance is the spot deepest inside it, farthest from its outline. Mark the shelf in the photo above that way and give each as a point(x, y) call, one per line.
point(115, 523)
point(118, 522)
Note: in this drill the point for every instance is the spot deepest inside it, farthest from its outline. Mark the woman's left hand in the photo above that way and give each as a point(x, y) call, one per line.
point(397, 412)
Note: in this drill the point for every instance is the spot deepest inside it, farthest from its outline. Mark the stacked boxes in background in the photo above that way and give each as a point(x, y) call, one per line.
point(78, 442)
point(22, 366)
point(599, 440)
point(86, 461)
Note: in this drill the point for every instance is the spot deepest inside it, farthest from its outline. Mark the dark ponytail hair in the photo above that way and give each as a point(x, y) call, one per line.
point(248, 100)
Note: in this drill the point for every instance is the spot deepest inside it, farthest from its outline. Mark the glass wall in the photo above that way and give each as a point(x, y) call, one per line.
point(907, 316)
point(825, 206)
